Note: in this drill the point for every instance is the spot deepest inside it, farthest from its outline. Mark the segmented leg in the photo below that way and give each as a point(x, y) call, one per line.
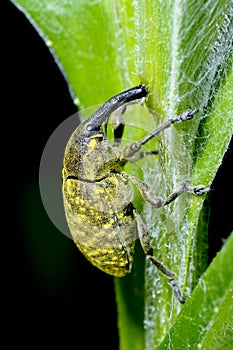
point(158, 202)
point(145, 243)
point(118, 124)
point(131, 149)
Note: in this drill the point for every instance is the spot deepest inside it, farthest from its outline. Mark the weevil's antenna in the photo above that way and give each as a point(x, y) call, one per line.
point(187, 115)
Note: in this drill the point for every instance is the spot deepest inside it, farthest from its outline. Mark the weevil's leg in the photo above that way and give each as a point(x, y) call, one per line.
point(105, 132)
point(200, 189)
point(145, 242)
point(132, 148)
point(142, 154)
point(118, 124)
point(158, 202)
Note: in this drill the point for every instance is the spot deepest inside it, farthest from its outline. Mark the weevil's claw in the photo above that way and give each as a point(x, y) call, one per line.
point(176, 290)
point(191, 113)
point(187, 115)
point(201, 189)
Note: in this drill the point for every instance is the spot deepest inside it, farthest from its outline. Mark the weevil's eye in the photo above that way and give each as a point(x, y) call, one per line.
point(92, 127)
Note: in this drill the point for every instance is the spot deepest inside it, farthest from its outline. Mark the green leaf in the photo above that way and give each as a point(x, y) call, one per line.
point(129, 297)
point(183, 51)
point(187, 57)
point(206, 320)
point(92, 42)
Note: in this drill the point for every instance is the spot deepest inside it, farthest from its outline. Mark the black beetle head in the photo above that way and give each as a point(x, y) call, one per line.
point(88, 129)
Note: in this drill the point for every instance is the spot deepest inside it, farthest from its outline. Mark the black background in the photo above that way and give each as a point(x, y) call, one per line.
point(52, 294)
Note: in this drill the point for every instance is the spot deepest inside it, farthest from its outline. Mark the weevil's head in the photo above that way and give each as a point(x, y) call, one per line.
point(93, 127)
point(88, 131)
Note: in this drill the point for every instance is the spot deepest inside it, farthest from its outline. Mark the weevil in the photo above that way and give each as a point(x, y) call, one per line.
point(97, 196)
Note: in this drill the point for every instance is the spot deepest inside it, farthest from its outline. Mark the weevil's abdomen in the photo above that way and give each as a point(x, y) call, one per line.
point(107, 251)
point(101, 222)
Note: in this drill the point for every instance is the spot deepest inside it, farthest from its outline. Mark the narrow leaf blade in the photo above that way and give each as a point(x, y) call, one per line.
point(200, 319)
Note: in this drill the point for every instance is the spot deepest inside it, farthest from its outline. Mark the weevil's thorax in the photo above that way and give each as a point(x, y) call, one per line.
point(90, 157)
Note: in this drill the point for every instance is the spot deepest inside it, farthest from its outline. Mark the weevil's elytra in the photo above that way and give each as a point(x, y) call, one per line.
point(97, 194)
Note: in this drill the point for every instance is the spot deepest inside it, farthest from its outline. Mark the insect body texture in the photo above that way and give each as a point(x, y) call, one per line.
point(97, 195)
